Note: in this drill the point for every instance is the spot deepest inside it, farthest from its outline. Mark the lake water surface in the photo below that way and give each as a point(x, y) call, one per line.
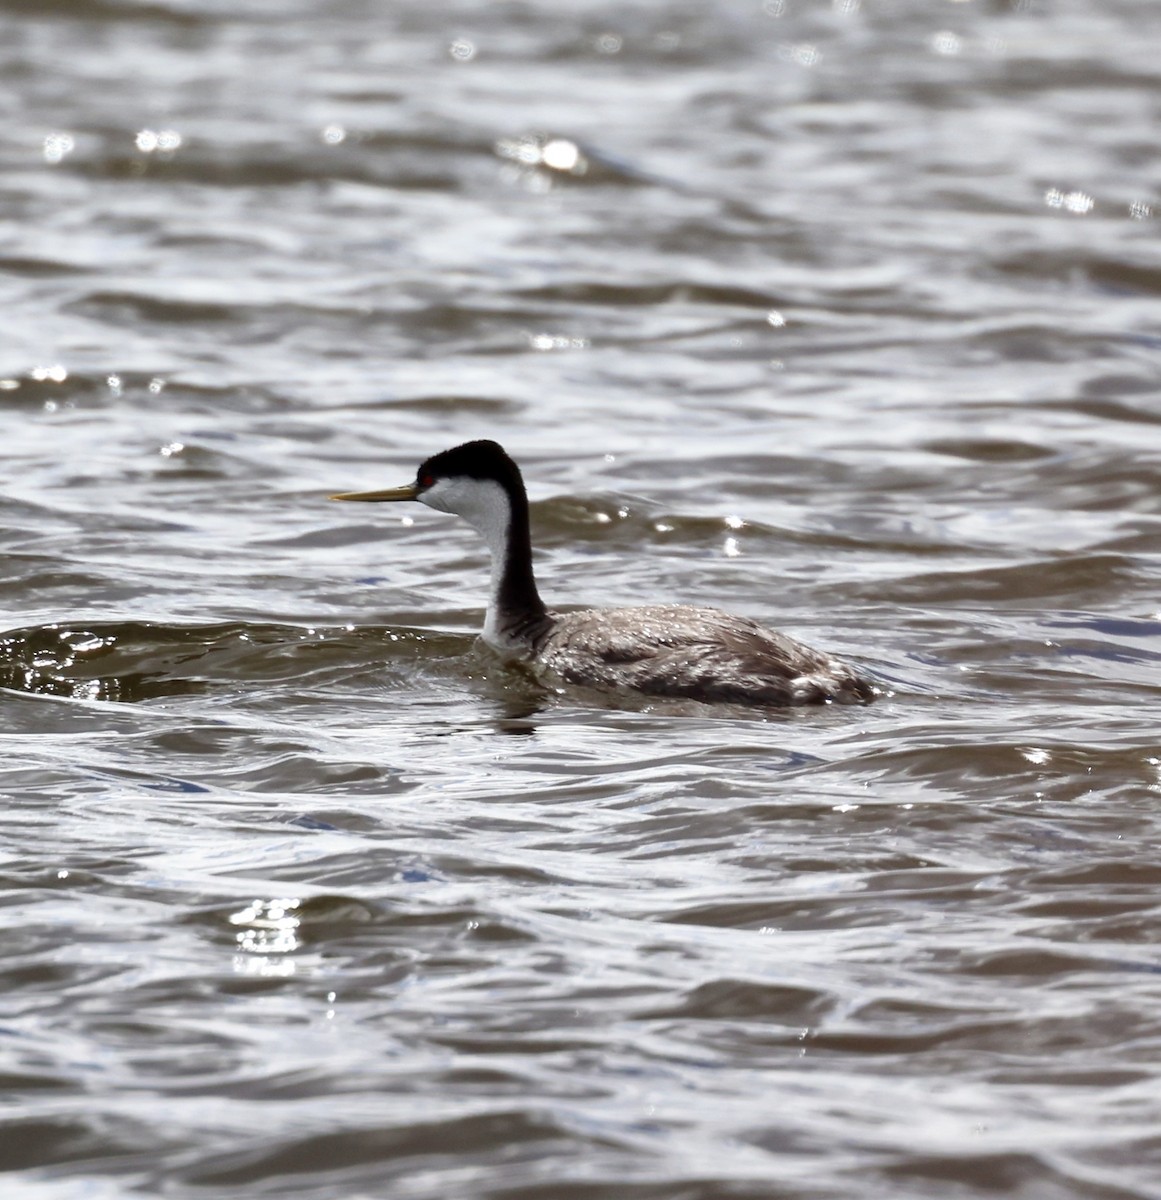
point(845, 316)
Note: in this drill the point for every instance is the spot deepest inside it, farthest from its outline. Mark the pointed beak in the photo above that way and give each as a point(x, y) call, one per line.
point(407, 492)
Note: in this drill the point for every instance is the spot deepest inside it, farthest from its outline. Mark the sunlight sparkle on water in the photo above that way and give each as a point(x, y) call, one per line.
point(522, 150)
point(561, 155)
point(553, 153)
point(265, 968)
point(57, 145)
point(270, 927)
point(54, 373)
point(947, 43)
point(164, 140)
point(553, 341)
point(1073, 202)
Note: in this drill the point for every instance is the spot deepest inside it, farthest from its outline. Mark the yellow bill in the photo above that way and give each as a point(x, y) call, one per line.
point(407, 492)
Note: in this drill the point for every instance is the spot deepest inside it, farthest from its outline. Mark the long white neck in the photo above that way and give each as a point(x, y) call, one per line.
point(514, 609)
point(493, 519)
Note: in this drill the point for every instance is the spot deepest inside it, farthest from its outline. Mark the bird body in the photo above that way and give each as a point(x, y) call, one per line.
point(695, 653)
point(678, 651)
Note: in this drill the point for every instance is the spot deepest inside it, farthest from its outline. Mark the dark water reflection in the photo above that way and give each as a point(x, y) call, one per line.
point(840, 315)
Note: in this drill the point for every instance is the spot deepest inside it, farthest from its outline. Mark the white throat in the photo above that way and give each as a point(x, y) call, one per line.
point(484, 504)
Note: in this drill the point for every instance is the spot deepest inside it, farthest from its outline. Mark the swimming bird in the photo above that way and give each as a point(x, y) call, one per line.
point(668, 650)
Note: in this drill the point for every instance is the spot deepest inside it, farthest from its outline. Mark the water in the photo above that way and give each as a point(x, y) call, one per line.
point(841, 316)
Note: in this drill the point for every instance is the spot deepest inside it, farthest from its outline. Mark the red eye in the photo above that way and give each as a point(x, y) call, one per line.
point(426, 480)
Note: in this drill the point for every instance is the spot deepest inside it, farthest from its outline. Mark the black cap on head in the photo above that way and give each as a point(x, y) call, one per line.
point(482, 459)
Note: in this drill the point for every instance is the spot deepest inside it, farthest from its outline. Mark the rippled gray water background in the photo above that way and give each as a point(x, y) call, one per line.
point(844, 316)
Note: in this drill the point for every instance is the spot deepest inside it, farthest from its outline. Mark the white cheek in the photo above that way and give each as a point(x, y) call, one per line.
point(483, 503)
point(439, 496)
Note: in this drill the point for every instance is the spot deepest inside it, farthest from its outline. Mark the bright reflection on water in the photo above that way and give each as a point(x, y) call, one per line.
point(164, 140)
point(57, 146)
point(269, 927)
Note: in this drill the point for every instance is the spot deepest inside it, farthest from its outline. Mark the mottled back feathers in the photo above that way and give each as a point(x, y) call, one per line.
point(694, 653)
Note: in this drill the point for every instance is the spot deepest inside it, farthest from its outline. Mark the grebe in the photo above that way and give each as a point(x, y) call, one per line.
point(662, 650)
